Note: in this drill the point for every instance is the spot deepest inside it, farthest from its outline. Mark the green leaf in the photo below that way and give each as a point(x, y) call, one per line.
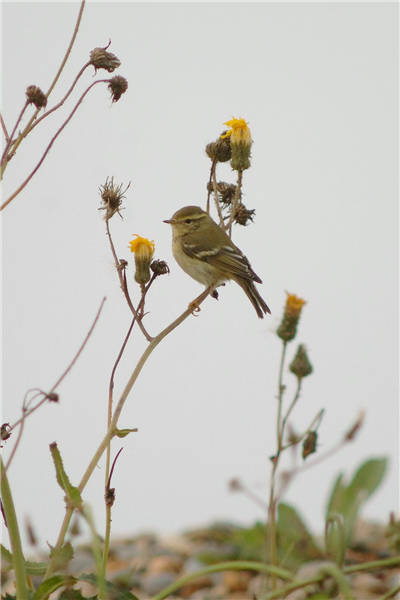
point(296, 545)
point(61, 556)
point(117, 593)
point(6, 556)
point(51, 585)
point(369, 477)
point(35, 568)
point(347, 499)
point(121, 433)
point(72, 494)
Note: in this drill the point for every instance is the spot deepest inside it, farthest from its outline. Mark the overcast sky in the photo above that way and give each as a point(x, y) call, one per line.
point(318, 85)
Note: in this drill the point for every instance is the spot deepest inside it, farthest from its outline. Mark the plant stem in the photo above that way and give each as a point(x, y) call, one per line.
point(35, 114)
point(113, 425)
point(15, 538)
point(240, 565)
point(53, 139)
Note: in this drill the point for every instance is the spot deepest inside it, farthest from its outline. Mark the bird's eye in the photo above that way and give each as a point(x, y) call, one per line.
point(188, 220)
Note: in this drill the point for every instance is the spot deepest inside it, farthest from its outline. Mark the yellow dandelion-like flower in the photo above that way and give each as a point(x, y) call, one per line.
point(144, 252)
point(288, 327)
point(240, 137)
point(239, 132)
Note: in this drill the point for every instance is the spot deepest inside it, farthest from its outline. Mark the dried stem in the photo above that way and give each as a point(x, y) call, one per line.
point(53, 139)
point(35, 114)
point(4, 128)
point(235, 203)
point(48, 112)
point(124, 286)
point(26, 413)
point(4, 156)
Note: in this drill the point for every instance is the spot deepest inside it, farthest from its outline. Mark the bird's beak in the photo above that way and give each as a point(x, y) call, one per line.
point(170, 221)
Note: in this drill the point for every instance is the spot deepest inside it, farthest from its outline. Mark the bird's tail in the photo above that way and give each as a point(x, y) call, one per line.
point(254, 296)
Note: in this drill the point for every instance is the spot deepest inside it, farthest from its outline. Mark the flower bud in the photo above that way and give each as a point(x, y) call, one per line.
point(301, 366)
point(117, 86)
point(288, 327)
point(36, 96)
point(159, 267)
point(241, 141)
point(144, 250)
point(101, 59)
point(310, 444)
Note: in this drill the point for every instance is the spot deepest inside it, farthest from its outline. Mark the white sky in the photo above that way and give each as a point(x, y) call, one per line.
point(318, 84)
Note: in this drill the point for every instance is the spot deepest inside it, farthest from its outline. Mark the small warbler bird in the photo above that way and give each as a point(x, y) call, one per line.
point(206, 253)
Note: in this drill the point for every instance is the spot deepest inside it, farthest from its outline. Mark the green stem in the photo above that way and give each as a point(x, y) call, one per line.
point(391, 593)
point(225, 566)
point(285, 418)
point(15, 538)
point(296, 585)
point(113, 425)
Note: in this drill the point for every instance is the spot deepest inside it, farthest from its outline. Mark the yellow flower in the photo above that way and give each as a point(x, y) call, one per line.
point(239, 132)
point(240, 137)
point(293, 305)
point(288, 327)
point(142, 246)
point(144, 251)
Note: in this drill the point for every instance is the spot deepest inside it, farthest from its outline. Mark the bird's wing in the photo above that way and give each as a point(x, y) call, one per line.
point(227, 258)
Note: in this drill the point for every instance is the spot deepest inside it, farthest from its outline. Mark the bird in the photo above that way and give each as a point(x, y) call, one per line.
point(205, 252)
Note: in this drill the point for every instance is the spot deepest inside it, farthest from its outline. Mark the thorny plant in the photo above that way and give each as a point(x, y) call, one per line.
point(233, 145)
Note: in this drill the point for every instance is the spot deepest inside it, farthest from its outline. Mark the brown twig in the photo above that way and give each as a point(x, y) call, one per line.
point(48, 112)
point(5, 155)
point(4, 128)
point(26, 413)
point(35, 114)
point(53, 139)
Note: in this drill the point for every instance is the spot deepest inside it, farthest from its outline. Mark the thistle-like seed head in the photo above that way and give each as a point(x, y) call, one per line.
point(117, 86)
point(35, 96)
point(220, 150)
point(101, 59)
point(111, 197)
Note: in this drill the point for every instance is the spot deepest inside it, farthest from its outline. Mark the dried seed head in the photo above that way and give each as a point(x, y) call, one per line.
point(36, 96)
point(109, 496)
point(243, 215)
point(240, 143)
point(301, 366)
point(53, 397)
point(235, 485)
point(220, 150)
point(159, 267)
point(5, 431)
point(101, 59)
point(117, 86)
point(111, 197)
point(144, 251)
point(288, 327)
point(310, 444)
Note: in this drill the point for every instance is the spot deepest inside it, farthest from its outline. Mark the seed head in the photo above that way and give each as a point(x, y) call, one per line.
point(101, 59)
point(35, 96)
point(310, 444)
point(117, 86)
point(220, 150)
point(111, 198)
